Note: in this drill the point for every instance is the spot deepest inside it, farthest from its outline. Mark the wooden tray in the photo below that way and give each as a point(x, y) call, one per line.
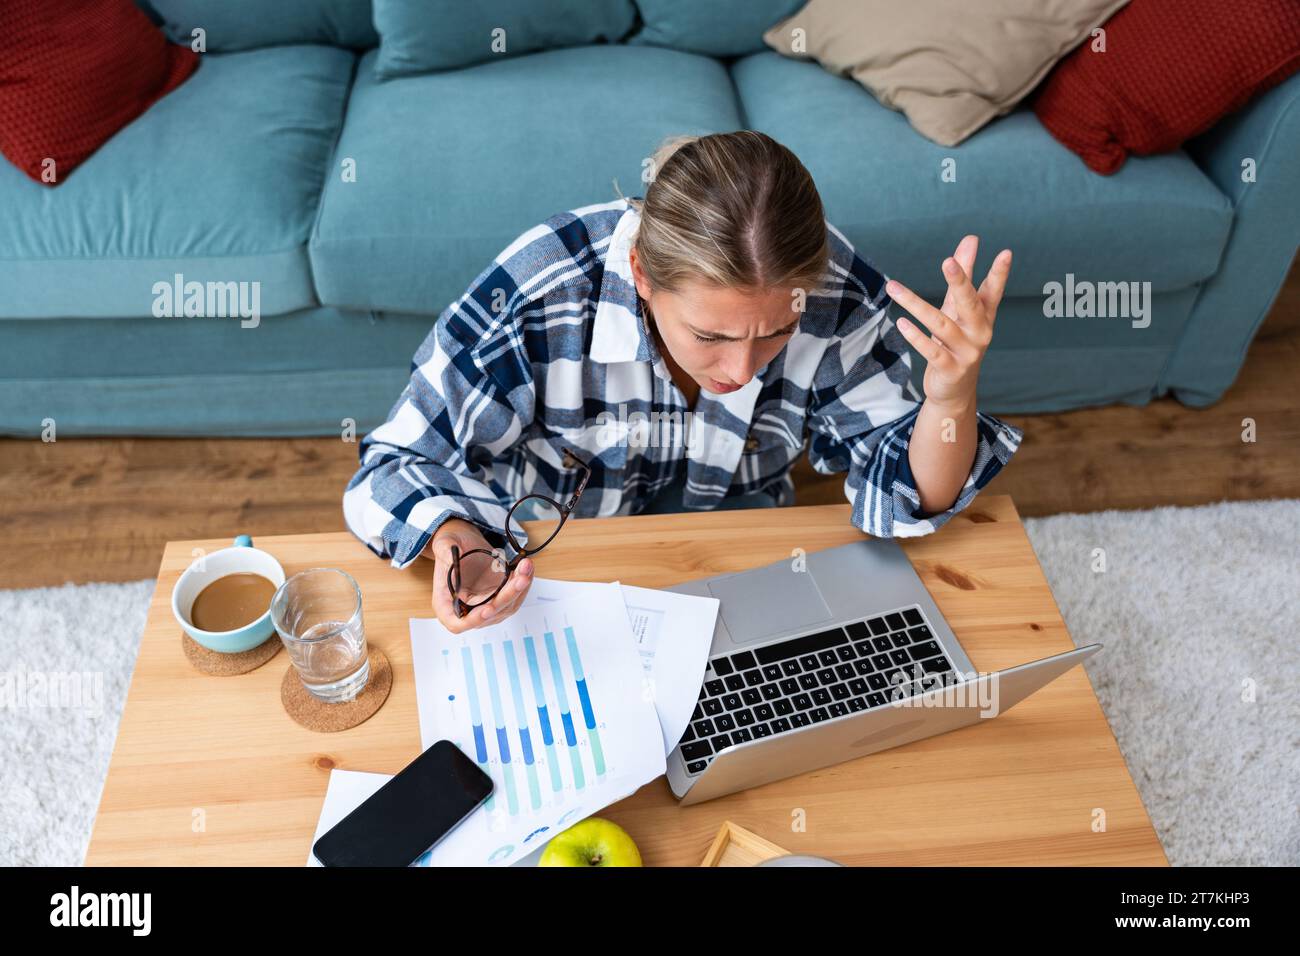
point(736, 846)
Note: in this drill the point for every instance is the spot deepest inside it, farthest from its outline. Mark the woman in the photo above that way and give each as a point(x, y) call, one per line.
point(722, 303)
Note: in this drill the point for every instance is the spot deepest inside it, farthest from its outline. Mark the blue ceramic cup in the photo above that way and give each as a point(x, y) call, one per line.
point(206, 569)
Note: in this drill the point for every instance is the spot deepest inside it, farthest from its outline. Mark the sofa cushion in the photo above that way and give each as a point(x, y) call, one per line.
point(949, 66)
point(217, 182)
point(72, 76)
point(1159, 220)
point(451, 167)
point(231, 25)
point(422, 35)
point(1172, 69)
point(716, 28)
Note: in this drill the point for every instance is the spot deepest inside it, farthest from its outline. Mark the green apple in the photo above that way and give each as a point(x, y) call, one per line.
point(593, 842)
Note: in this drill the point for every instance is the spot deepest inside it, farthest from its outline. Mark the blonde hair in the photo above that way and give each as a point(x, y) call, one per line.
point(735, 210)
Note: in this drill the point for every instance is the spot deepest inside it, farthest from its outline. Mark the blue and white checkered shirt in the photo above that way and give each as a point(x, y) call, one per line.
point(548, 350)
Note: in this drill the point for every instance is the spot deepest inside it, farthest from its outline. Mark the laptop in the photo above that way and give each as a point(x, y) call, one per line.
point(827, 657)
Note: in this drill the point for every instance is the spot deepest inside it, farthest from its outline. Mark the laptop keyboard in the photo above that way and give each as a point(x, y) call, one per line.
point(793, 683)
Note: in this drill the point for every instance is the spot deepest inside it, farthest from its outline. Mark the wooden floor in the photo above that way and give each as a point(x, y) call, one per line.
point(100, 509)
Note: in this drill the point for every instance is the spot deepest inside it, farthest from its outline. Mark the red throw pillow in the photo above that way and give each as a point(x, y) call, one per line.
point(73, 74)
point(1171, 69)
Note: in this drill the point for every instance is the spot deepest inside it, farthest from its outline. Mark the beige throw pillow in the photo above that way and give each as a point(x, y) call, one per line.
point(949, 65)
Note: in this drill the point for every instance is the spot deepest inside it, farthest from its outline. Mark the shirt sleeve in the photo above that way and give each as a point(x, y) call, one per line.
point(862, 410)
point(469, 399)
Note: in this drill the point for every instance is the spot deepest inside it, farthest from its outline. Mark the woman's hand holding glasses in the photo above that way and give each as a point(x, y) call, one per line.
point(478, 578)
point(474, 585)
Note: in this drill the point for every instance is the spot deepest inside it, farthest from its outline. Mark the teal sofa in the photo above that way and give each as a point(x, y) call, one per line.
point(362, 208)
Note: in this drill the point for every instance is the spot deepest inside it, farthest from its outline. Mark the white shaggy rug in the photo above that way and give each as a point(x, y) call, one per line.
point(1198, 609)
point(68, 656)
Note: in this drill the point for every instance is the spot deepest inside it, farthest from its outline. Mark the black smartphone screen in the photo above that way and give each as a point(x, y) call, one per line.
point(410, 813)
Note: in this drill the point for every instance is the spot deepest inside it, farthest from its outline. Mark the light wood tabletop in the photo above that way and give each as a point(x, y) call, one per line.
point(210, 770)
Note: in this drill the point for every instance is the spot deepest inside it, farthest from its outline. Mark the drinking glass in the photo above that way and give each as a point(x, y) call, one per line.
point(317, 614)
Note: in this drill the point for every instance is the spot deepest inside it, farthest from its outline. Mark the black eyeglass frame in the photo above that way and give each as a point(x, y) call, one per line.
point(462, 608)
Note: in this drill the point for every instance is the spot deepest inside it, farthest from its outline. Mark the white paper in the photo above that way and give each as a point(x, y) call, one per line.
point(673, 633)
point(552, 704)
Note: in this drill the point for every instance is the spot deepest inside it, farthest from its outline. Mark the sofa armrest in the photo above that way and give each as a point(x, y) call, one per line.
point(1253, 157)
point(1266, 130)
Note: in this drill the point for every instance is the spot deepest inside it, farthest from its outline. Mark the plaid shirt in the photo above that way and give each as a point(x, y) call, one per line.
point(548, 350)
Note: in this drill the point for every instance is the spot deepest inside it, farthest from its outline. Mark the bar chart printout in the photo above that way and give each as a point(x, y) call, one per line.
point(550, 704)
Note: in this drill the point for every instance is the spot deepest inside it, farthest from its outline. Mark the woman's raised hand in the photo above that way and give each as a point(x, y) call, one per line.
point(960, 329)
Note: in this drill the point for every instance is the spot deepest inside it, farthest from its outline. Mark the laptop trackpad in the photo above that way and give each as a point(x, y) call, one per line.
point(769, 601)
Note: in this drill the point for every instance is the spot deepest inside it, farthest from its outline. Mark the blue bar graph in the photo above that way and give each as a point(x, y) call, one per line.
point(503, 742)
point(584, 697)
point(521, 723)
point(566, 719)
point(475, 716)
point(544, 718)
point(527, 697)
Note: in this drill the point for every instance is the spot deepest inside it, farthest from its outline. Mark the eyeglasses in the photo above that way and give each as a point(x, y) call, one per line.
point(476, 577)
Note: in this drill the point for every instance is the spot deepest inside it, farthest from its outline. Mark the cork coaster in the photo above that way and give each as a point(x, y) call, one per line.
point(316, 714)
point(229, 665)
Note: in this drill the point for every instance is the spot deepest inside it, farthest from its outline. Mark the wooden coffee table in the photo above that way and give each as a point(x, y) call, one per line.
point(210, 770)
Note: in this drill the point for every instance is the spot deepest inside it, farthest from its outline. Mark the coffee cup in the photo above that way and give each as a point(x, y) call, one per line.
point(242, 557)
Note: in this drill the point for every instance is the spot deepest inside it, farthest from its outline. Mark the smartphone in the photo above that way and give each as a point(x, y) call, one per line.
point(408, 815)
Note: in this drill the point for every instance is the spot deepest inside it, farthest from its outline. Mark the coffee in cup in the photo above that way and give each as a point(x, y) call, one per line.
point(232, 601)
